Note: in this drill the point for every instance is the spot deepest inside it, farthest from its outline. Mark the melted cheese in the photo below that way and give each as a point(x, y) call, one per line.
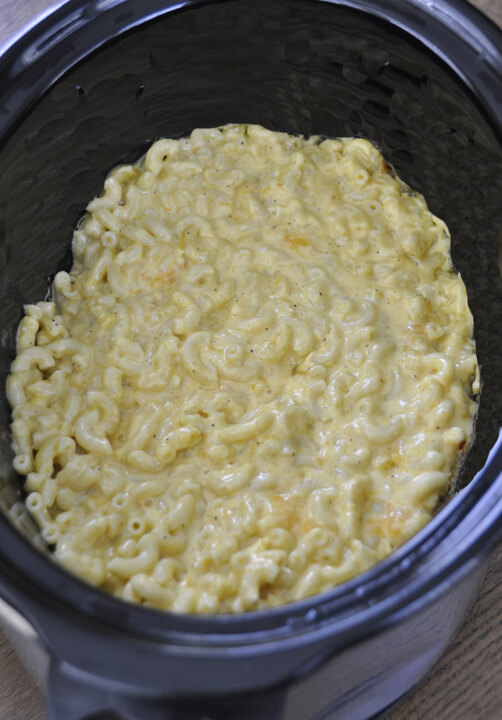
point(256, 380)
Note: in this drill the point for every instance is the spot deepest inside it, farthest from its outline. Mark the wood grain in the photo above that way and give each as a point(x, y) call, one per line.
point(467, 682)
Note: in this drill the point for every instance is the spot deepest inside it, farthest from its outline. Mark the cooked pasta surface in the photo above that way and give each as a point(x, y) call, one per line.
point(255, 382)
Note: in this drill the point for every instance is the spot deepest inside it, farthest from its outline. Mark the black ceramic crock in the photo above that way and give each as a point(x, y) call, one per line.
point(90, 86)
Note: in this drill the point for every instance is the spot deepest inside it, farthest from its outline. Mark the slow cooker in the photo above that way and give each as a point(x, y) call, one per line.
point(88, 87)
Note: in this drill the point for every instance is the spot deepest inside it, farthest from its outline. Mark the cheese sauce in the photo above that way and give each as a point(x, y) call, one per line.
point(255, 382)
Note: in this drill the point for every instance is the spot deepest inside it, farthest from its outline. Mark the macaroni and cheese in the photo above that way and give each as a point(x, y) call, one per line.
point(257, 379)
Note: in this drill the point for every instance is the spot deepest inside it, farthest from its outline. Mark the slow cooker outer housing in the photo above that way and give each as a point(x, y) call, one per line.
point(309, 67)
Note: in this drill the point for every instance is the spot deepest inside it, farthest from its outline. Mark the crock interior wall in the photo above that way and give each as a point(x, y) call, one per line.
point(309, 68)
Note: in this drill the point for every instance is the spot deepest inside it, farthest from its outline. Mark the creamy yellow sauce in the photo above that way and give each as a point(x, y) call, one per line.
point(255, 382)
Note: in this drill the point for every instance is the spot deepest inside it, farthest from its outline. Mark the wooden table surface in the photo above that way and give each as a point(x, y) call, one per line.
point(466, 684)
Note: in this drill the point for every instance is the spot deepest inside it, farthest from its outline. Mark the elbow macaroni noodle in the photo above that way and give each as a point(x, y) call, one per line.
point(255, 382)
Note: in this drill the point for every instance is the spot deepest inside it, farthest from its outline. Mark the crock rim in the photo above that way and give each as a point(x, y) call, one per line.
point(27, 571)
